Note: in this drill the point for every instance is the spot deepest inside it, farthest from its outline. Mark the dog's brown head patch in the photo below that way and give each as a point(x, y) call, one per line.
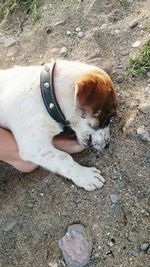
point(96, 97)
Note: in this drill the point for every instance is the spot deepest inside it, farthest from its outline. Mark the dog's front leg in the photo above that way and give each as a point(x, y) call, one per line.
point(44, 154)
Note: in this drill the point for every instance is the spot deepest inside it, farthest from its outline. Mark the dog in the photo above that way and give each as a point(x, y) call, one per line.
point(85, 101)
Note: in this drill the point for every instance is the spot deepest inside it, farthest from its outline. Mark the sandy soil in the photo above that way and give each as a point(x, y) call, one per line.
point(35, 209)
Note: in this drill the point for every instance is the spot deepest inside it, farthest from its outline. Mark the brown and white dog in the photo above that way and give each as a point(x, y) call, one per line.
point(87, 99)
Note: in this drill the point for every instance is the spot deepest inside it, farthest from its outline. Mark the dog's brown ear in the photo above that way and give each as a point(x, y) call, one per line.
point(90, 93)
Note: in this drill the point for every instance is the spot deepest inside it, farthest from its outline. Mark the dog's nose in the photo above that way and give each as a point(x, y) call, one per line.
point(106, 146)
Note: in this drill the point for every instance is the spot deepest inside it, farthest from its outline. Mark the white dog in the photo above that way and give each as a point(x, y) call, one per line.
point(82, 96)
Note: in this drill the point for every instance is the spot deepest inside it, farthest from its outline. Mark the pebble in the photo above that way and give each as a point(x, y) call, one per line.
point(48, 29)
point(9, 42)
point(80, 34)
point(120, 79)
point(61, 22)
point(143, 134)
point(148, 74)
point(114, 198)
point(145, 246)
point(75, 248)
point(9, 225)
point(65, 212)
point(104, 26)
point(2, 39)
point(145, 108)
point(115, 176)
point(147, 91)
point(119, 66)
point(78, 29)
point(134, 24)
point(52, 264)
point(136, 44)
point(68, 33)
point(63, 51)
point(128, 125)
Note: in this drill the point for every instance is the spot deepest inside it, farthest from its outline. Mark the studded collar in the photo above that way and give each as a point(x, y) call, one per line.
point(48, 94)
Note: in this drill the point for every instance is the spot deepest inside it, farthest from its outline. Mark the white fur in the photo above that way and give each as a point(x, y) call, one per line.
point(23, 112)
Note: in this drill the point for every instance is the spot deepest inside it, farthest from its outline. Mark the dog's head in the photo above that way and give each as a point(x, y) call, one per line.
point(96, 104)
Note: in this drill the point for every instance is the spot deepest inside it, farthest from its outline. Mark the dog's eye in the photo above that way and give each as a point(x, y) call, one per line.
point(97, 113)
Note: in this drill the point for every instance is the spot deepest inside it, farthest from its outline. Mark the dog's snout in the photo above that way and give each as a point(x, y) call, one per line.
point(107, 146)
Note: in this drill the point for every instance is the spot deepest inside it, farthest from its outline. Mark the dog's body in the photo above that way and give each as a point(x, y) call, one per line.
point(23, 112)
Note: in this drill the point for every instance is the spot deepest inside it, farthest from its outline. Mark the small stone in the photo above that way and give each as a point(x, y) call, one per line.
point(143, 134)
point(2, 39)
point(135, 253)
point(145, 246)
point(78, 29)
point(136, 44)
point(58, 23)
point(148, 81)
point(52, 264)
point(128, 126)
point(75, 248)
point(80, 34)
point(134, 24)
point(147, 91)
point(148, 74)
point(145, 108)
point(68, 33)
point(104, 26)
point(9, 42)
point(120, 79)
point(114, 198)
point(9, 225)
point(115, 177)
point(48, 29)
point(65, 212)
point(63, 51)
point(119, 66)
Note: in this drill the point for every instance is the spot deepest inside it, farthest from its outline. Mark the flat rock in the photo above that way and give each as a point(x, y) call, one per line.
point(143, 134)
point(75, 248)
point(9, 42)
point(145, 108)
point(63, 51)
point(9, 225)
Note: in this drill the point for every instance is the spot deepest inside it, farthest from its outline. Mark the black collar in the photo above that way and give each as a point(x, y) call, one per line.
point(48, 94)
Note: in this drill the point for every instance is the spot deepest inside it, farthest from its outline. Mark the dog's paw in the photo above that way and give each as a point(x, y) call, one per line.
point(89, 179)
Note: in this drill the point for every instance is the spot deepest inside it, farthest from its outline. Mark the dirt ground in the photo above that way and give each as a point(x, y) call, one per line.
point(35, 209)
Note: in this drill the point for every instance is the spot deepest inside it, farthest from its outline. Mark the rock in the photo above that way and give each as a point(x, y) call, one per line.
point(65, 212)
point(148, 74)
point(148, 81)
point(128, 127)
point(119, 66)
point(9, 225)
point(63, 51)
point(145, 108)
point(147, 91)
point(103, 26)
point(124, 52)
point(114, 198)
point(78, 29)
point(9, 42)
point(48, 29)
point(145, 246)
point(58, 23)
point(136, 44)
point(2, 39)
point(120, 79)
point(80, 34)
point(52, 264)
point(115, 177)
point(68, 33)
point(143, 134)
point(133, 25)
point(75, 248)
